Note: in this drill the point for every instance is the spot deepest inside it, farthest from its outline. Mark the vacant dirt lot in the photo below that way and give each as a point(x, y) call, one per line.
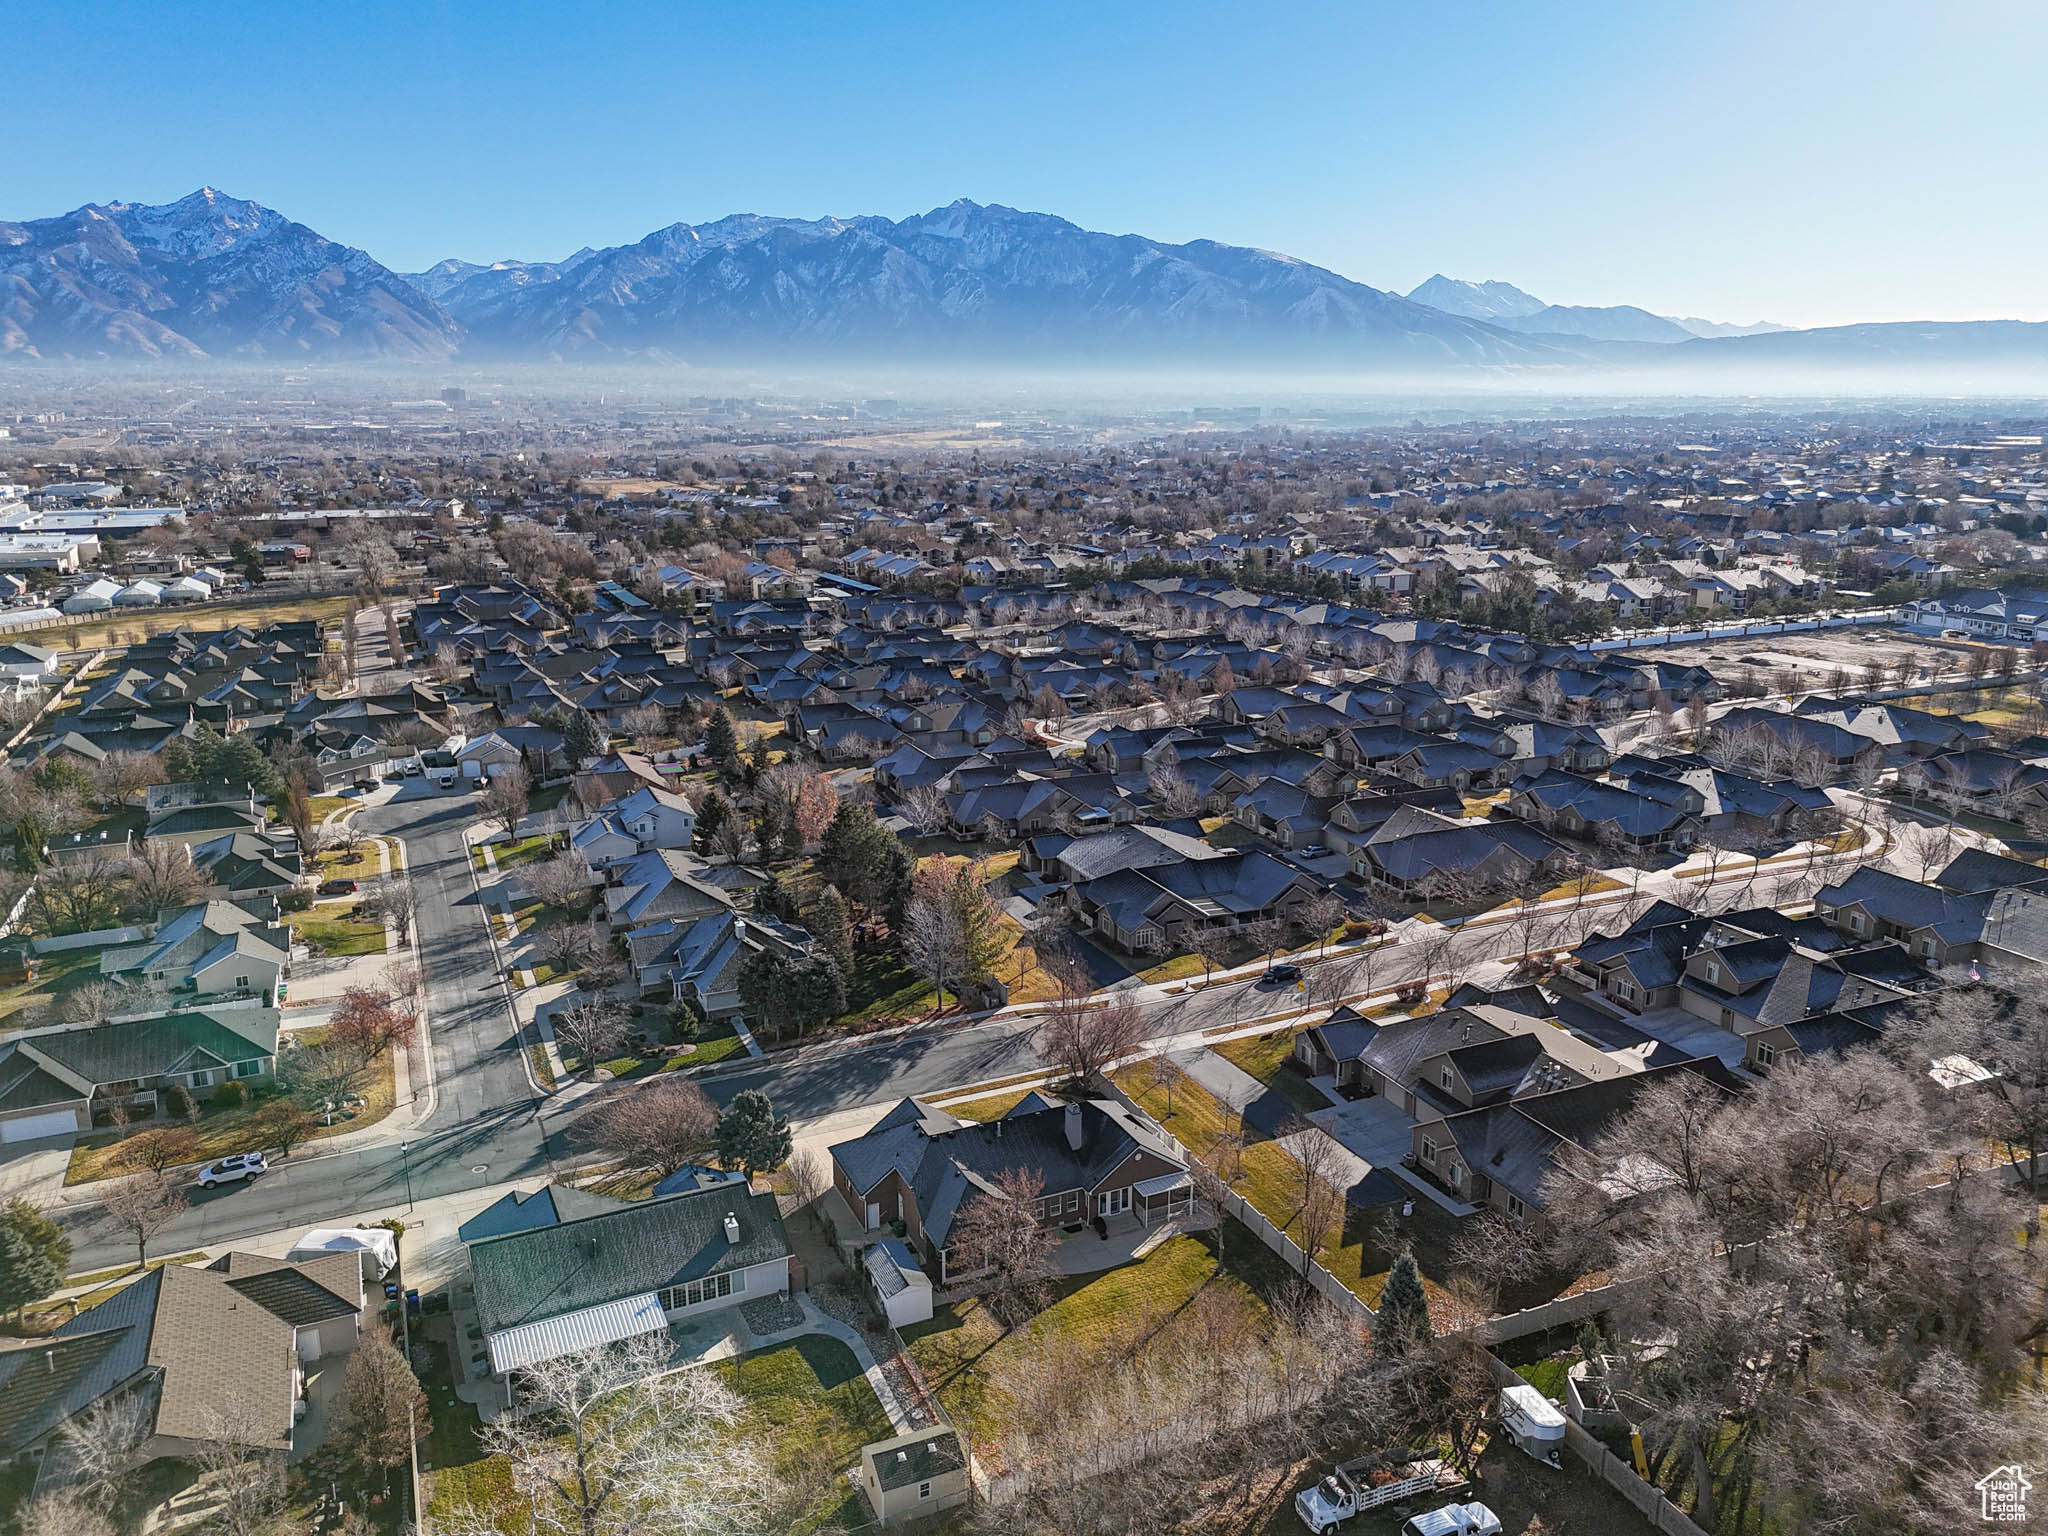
point(1813, 653)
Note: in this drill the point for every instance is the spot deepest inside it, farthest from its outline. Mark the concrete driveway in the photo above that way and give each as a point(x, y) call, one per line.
point(1691, 1034)
point(1371, 1128)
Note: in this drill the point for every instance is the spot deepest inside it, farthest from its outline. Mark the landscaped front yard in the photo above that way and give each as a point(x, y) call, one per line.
point(966, 1354)
point(226, 1131)
point(526, 850)
point(321, 929)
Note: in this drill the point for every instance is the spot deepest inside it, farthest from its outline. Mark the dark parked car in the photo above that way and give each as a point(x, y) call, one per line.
point(338, 887)
point(1281, 975)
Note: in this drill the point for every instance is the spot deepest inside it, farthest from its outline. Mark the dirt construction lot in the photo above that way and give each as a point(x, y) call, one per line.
point(1813, 653)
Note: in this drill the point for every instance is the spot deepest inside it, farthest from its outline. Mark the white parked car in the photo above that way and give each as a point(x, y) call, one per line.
point(232, 1170)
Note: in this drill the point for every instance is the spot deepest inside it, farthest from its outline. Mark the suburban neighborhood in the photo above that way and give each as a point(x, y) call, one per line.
point(1078, 983)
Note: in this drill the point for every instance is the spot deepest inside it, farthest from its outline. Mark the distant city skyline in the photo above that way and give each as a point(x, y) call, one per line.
point(1810, 164)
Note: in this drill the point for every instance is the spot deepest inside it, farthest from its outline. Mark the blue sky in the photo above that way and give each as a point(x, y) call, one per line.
point(1805, 161)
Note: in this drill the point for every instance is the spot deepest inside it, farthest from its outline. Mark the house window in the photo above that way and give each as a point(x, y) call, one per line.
point(242, 982)
point(1713, 972)
point(1457, 1177)
point(1073, 1201)
point(924, 1490)
point(248, 1069)
point(199, 1079)
point(696, 1292)
point(1927, 949)
point(1856, 922)
point(1445, 1078)
point(1766, 1056)
point(1625, 990)
point(1149, 936)
point(1515, 1208)
point(1428, 1150)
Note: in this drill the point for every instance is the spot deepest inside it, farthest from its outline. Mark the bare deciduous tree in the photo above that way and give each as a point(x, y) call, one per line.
point(1082, 1042)
point(663, 1126)
point(143, 1205)
point(999, 1240)
point(591, 1030)
point(612, 1443)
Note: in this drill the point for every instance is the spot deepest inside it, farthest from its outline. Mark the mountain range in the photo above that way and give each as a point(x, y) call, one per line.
point(1505, 305)
point(966, 285)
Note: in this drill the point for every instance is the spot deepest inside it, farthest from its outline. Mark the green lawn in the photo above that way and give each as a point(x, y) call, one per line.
point(362, 864)
point(714, 1042)
point(1265, 1057)
point(965, 1353)
point(337, 935)
point(511, 855)
point(56, 977)
point(1353, 1249)
point(809, 1399)
point(1546, 1376)
point(883, 990)
point(991, 1107)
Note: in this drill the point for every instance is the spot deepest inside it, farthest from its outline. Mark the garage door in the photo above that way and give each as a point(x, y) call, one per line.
point(62, 1122)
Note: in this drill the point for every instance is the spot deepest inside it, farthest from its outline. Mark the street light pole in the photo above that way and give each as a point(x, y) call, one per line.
point(405, 1162)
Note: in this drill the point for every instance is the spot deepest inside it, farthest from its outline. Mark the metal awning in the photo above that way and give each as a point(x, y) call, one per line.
point(531, 1343)
point(1165, 1184)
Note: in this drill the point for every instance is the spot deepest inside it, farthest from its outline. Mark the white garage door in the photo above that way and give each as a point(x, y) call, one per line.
point(33, 1127)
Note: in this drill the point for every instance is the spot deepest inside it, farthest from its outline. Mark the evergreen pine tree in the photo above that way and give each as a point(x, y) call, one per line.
point(581, 738)
point(1403, 1310)
point(722, 741)
point(712, 814)
point(750, 1137)
point(830, 926)
point(33, 1252)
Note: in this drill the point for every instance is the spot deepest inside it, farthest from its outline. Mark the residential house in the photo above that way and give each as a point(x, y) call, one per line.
point(214, 950)
point(645, 819)
point(923, 1168)
point(1502, 1155)
point(211, 1355)
point(1160, 908)
point(53, 1077)
point(578, 1283)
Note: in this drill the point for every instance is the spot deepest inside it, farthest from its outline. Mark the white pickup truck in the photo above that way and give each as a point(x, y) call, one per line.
point(1350, 1490)
point(1473, 1519)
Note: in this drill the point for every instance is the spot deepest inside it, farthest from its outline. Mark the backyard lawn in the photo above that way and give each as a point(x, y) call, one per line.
point(1265, 1057)
point(965, 1353)
point(810, 1400)
point(1354, 1249)
point(57, 976)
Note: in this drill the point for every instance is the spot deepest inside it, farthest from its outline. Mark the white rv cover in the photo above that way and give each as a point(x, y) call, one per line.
point(379, 1242)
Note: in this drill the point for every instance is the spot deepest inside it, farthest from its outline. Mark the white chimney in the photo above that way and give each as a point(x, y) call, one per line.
point(1074, 1126)
point(732, 1229)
